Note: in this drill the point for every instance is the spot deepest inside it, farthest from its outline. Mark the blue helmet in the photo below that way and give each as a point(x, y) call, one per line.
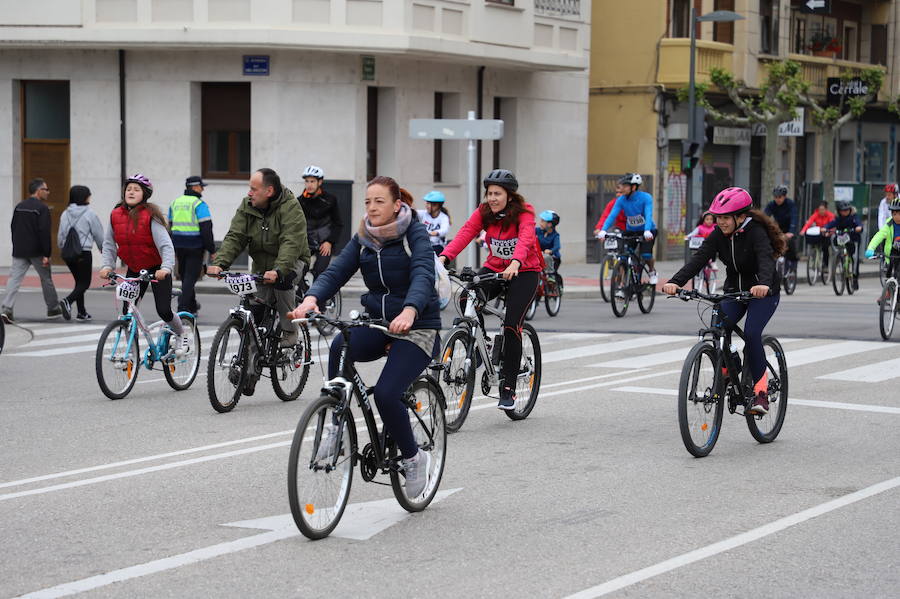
point(550, 216)
point(435, 197)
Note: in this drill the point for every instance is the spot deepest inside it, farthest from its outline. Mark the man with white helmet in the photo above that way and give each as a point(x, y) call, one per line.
point(638, 208)
point(323, 218)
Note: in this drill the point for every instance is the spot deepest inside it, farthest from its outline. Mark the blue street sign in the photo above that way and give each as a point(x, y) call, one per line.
point(256, 65)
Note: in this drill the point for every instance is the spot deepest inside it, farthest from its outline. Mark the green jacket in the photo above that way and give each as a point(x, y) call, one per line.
point(276, 240)
point(885, 234)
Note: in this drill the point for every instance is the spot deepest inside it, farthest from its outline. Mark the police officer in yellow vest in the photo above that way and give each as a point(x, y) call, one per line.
point(192, 234)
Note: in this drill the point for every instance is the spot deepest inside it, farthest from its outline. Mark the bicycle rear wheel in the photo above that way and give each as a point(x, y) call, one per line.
point(837, 275)
point(700, 401)
point(457, 378)
point(766, 427)
point(227, 367)
point(606, 270)
point(291, 367)
point(887, 309)
point(180, 371)
point(532, 308)
point(619, 295)
point(319, 480)
point(553, 293)
point(790, 278)
point(528, 383)
point(813, 264)
point(647, 292)
point(117, 360)
point(430, 430)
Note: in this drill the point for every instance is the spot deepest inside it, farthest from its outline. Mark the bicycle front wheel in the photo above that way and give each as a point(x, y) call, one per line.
point(700, 401)
point(887, 307)
point(849, 276)
point(430, 430)
point(619, 295)
point(813, 264)
point(180, 371)
point(528, 382)
point(553, 293)
point(290, 368)
point(117, 360)
point(606, 270)
point(837, 275)
point(457, 377)
point(320, 467)
point(790, 279)
point(647, 294)
point(765, 427)
point(227, 368)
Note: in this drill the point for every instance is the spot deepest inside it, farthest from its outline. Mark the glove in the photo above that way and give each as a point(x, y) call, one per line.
point(601, 235)
point(870, 253)
point(648, 235)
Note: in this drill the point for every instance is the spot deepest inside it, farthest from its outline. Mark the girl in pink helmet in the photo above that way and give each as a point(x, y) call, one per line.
point(748, 242)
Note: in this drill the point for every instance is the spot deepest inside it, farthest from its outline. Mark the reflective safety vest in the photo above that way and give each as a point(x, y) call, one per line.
point(184, 215)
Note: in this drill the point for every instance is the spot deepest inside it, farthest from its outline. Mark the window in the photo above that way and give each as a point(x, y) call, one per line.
point(724, 32)
point(371, 133)
point(225, 120)
point(768, 26)
point(438, 147)
point(506, 2)
point(878, 52)
point(850, 44)
point(681, 17)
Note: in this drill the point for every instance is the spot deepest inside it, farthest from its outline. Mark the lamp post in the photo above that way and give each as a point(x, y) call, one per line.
point(718, 16)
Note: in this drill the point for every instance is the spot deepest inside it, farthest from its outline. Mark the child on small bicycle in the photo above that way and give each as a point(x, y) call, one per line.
point(705, 226)
point(847, 220)
point(548, 238)
point(888, 237)
point(137, 234)
point(818, 220)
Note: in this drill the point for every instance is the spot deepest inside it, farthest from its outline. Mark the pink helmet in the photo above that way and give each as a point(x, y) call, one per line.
point(144, 182)
point(731, 201)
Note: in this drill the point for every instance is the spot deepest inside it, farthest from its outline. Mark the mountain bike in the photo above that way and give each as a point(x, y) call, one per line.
point(118, 357)
point(712, 378)
point(320, 476)
point(816, 250)
point(842, 276)
point(332, 307)
point(550, 289)
point(247, 344)
point(706, 278)
point(631, 274)
point(887, 303)
point(468, 347)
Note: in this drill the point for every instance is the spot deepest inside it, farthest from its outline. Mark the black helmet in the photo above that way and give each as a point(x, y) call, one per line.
point(780, 190)
point(502, 177)
point(842, 204)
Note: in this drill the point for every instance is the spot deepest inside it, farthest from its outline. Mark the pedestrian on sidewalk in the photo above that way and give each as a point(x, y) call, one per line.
point(192, 234)
point(80, 218)
point(31, 247)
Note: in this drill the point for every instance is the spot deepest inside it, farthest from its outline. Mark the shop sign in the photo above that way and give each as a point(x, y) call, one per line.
point(836, 89)
point(731, 136)
point(791, 128)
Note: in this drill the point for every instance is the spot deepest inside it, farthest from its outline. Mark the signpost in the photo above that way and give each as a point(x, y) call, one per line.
point(256, 65)
point(470, 129)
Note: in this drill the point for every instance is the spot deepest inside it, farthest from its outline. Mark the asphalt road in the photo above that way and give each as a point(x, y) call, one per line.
point(593, 495)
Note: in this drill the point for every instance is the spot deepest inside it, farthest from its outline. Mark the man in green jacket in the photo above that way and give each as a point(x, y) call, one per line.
point(270, 224)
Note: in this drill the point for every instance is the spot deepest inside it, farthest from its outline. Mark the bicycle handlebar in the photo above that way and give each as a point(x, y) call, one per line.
point(143, 277)
point(741, 296)
point(356, 320)
point(467, 275)
point(228, 273)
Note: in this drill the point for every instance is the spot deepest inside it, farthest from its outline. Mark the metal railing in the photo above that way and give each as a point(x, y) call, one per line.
point(558, 7)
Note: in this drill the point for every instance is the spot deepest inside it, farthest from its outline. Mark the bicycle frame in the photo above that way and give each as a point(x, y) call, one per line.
point(720, 337)
point(136, 322)
point(633, 262)
point(473, 320)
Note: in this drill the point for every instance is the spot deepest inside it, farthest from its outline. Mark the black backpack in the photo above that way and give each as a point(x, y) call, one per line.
point(71, 249)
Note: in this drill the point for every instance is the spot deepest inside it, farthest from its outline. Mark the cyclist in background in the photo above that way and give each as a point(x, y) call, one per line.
point(508, 222)
point(783, 211)
point(748, 243)
point(620, 220)
point(847, 220)
point(436, 220)
point(884, 211)
point(821, 217)
point(638, 208)
point(548, 237)
point(401, 291)
point(323, 218)
point(705, 226)
point(888, 237)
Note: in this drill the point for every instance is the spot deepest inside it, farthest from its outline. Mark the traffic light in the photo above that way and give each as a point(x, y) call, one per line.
point(690, 155)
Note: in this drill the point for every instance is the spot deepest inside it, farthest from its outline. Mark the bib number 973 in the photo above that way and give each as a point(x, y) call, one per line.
point(128, 291)
point(241, 284)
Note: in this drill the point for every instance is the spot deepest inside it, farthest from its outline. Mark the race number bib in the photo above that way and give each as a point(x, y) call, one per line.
point(241, 284)
point(843, 238)
point(611, 243)
point(695, 242)
point(503, 248)
point(128, 291)
point(635, 221)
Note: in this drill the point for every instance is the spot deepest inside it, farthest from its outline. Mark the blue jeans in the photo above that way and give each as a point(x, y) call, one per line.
point(759, 312)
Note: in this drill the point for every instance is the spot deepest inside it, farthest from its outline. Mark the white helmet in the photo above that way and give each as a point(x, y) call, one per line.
point(313, 171)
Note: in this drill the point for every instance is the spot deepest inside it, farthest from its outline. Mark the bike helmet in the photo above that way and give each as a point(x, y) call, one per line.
point(842, 204)
point(550, 216)
point(780, 190)
point(313, 171)
point(143, 181)
point(892, 187)
point(894, 206)
point(502, 177)
point(732, 200)
point(631, 179)
point(434, 197)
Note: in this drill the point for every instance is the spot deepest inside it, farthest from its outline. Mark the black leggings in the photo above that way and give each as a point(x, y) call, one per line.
point(162, 294)
point(190, 264)
point(81, 269)
point(519, 295)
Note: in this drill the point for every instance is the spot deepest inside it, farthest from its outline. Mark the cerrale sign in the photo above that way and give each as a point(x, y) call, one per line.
point(838, 88)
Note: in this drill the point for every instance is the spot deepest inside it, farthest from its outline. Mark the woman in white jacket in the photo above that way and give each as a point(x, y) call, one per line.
point(86, 223)
point(436, 220)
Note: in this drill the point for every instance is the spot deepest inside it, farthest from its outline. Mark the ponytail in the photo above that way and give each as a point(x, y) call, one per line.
point(776, 237)
point(406, 197)
point(449, 218)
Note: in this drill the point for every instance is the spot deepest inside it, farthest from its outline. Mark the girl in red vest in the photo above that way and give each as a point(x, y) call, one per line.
point(138, 236)
point(508, 222)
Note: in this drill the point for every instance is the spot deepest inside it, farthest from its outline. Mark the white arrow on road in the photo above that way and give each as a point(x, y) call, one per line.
point(361, 521)
point(814, 4)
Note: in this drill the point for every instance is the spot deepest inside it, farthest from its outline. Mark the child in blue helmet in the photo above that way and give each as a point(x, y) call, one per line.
point(436, 220)
point(548, 237)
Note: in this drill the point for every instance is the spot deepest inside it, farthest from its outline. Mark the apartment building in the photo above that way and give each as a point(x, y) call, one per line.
point(93, 90)
point(637, 124)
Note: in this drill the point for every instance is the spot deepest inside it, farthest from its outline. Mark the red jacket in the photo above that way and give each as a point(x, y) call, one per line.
point(620, 219)
point(135, 245)
point(817, 221)
point(504, 245)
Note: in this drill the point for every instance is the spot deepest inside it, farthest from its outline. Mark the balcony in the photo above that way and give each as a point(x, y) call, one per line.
point(816, 70)
point(675, 57)
point(558, 8)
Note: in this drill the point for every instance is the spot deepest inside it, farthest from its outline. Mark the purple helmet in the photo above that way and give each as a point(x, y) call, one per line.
point(144, 182)
point(732, 200)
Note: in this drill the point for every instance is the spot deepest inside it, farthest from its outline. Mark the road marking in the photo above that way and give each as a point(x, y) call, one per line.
point(78, 349)
point(870, 373)
point(811, 403)
point(596, 349)
point(750, 536)
point(57, 329)
point(370, 512)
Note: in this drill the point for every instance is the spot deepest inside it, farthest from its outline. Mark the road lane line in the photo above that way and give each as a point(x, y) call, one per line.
point(78, 349)
point(596, 349)
point(750, 536)
point(56, 329)
point(870, 373)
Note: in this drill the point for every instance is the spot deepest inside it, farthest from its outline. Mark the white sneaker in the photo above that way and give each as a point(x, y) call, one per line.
point(183, 346)
point(416, 471)
point(654, 279)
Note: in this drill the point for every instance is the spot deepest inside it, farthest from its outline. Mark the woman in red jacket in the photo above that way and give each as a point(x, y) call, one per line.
point(508, 222)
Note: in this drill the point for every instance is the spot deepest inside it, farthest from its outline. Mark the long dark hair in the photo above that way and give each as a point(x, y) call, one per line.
point(515, 206)
point(440, 205)
point(776, 237)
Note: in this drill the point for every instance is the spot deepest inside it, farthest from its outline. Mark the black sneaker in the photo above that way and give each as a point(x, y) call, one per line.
point(83, 317)
point(507, 399)
point(66, 309)
point(7, 315)
point(54, 313)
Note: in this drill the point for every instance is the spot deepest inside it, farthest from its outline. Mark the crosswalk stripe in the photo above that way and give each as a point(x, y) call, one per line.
point(56, 330)
point(596, 349)
point(79, 349)
point(870, 373)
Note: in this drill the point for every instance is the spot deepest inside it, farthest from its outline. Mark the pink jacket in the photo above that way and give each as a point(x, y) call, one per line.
point(504, 245)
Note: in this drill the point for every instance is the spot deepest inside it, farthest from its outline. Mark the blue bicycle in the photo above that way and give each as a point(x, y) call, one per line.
point(118, 357)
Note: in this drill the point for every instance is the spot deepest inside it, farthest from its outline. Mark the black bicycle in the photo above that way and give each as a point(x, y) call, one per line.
point(326, 445)
point(468, 347)
point(631, 274)
point(712, 377)
point(247, 345)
